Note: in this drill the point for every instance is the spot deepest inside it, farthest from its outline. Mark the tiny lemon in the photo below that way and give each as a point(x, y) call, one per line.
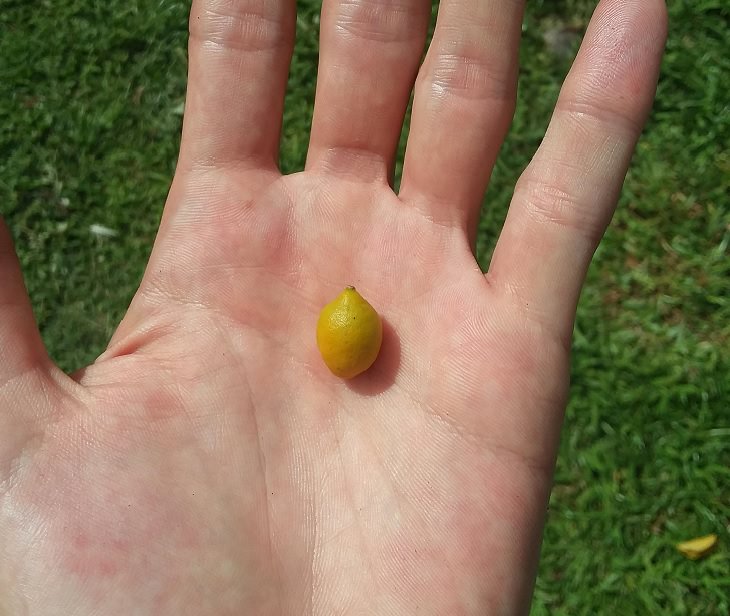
point(349, 334)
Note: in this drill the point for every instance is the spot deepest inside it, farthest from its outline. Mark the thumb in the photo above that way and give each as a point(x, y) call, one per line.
point(26, 371)
point(21, 348)
point(23, 359)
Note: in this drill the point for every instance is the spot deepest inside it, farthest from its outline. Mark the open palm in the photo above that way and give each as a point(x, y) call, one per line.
point(208, 462)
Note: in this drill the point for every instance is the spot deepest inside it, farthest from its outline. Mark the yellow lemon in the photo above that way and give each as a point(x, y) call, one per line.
point(349, 334)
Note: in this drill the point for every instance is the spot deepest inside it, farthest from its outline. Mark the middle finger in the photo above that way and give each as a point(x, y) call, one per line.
point(370, 51)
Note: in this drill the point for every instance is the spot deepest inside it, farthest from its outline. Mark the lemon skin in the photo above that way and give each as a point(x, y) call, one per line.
point(349, 334)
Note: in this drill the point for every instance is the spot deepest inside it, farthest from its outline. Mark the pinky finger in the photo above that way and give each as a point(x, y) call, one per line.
point(567, 195)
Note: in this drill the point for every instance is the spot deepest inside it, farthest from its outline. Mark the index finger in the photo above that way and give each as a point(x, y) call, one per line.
point(239, 54)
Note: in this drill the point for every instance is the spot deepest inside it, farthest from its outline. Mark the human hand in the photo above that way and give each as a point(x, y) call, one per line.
point(208, 462)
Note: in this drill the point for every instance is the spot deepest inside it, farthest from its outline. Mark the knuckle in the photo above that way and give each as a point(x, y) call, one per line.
point(589, 109)
point(548, 203)
point(467, 69)
point(376, 20)
point(470, 76)
point(244, 25)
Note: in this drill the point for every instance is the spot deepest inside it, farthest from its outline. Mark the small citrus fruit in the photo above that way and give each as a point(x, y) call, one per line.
point(349, 334)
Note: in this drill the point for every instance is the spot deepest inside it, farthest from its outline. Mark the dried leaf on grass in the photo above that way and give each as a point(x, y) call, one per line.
point(698, 547)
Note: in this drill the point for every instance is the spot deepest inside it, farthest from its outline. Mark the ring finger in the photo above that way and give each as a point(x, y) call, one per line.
point(464, 101)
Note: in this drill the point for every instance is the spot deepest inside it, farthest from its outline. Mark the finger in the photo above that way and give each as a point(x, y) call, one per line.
point(370, 50)
point(463, 105)
point(239, 56)
point(567, 195)
point(27, 376)
point(21, 348)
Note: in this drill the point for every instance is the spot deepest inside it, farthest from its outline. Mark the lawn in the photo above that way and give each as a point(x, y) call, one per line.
point(90, 114)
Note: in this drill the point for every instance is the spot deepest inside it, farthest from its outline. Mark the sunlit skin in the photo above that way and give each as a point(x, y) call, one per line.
point(208, 462)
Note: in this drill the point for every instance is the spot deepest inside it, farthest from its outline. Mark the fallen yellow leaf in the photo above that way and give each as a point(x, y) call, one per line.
point(697, 548)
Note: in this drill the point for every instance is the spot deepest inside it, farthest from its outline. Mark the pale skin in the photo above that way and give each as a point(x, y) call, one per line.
point(208, 462)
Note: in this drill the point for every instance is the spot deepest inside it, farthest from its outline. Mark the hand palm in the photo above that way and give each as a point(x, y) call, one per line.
point(208, 460)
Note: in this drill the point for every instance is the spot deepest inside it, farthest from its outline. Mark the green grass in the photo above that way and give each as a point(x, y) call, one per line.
point(89, 127)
